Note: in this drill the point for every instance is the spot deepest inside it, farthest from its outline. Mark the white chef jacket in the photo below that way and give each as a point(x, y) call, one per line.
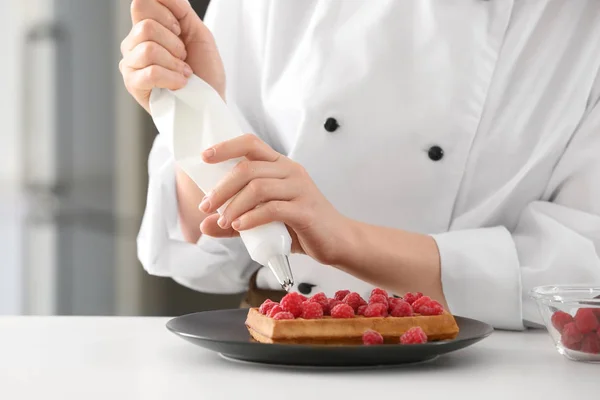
point(477, 122)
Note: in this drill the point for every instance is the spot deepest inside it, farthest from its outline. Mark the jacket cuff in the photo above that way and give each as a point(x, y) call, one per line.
point(481, 275)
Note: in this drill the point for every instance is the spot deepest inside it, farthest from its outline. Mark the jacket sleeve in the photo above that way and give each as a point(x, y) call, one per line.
point(487, 273)
point(211, 265)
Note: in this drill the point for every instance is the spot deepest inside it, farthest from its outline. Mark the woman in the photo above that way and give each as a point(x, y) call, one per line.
point(450, 148)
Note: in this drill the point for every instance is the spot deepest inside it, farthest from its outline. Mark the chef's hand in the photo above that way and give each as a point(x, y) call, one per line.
point(168, 42)
point(270, 187)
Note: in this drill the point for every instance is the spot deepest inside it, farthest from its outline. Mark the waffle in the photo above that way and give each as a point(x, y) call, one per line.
point(336, 331)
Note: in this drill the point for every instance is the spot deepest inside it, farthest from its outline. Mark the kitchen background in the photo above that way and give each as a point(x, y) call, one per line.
point(73, 176)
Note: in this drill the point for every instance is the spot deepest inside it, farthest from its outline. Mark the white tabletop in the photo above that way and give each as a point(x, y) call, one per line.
point(137, 358)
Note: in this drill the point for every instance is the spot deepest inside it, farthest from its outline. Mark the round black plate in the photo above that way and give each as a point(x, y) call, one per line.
point(224, 331)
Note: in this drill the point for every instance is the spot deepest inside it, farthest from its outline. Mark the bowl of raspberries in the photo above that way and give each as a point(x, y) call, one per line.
point(572, 316)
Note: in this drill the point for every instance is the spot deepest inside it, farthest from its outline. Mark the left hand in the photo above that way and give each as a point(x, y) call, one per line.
point(270, 187)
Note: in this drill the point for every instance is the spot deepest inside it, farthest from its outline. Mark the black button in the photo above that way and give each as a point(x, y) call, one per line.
point(331, 125)
point(436, 153)
point(305, 288)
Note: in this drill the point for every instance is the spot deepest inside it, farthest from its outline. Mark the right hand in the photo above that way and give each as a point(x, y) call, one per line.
point(168, 42)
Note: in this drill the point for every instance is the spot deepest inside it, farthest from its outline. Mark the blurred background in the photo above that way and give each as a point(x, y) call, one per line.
point(73, 167)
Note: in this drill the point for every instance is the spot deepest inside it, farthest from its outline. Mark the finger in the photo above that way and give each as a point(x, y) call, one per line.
point(209, 227)
point(179, 8)
point(249, 146)
point(287, 212)
point(153, 76)
point(150, 53)
point(151, 9)
point(257, 192)
point(243, 173)
point(150, 30)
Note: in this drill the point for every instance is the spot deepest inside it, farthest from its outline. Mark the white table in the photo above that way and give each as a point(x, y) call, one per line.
point(137, 358)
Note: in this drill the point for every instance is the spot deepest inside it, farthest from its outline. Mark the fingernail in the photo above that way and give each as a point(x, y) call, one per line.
point(187, 71)
point(236, 224)
point(222, 222)
point(205, 204)
point(209, 153)
point(176, 28)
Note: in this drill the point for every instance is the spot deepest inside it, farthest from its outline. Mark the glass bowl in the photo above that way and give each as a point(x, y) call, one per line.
point(572, 316)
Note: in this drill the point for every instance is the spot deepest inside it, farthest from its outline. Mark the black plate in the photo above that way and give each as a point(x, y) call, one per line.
point(224, 331)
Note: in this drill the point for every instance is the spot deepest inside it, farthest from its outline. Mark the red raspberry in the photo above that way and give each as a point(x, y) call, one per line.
point(284, 315)
point(342, 311)
point(318, 297)
point(419, 302)
point(591, 343)
point(401, 309)
point(353, 300)
point(393, 300)
point(322, 300)
point(431, 308)
point(363, 302)
point(266, 306)
point(332, 303)
point(311, 310)
point(414, 336)
point(560, 319)
point(571, 336)
point(586, 320)
point(292, 302)
point(379, 291)
point(371, 337)
point(302, 297)
point(340, 294)
point(379, 298)
point(375, 310)
point(274, 311)
point(411, 297)
point(361, 310)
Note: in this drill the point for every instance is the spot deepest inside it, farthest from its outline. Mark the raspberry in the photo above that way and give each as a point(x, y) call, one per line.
point(311, 310)
point(560, 319)
point(431, 308)
point(266, 306)
point(411, 297)
point(414, 336)
point(379, 291)
point(393, 300)
point(571, 336)
point(361, 310)
point(353, 300)
point(379, 298)
point(375, 310)
point(427, 306)
point(401, 309)
point(371, 337)
point(302, 297)
point(342, 311)
point(332, 303)
point(340, 294)
point(319, 297)
point(419, 302)
point(591, 343)
point(362, 302)
point(284, 315)
point(586, 320)
point(274, 311)
point(292, 302)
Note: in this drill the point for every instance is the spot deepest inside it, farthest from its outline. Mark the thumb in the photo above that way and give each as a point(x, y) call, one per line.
point(181, 9)
point(209, 227)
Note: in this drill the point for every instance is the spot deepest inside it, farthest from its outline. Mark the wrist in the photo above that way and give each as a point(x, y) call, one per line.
point(347, 242)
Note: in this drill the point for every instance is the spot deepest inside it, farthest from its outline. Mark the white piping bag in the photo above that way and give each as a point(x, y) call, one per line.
point(193, 119)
